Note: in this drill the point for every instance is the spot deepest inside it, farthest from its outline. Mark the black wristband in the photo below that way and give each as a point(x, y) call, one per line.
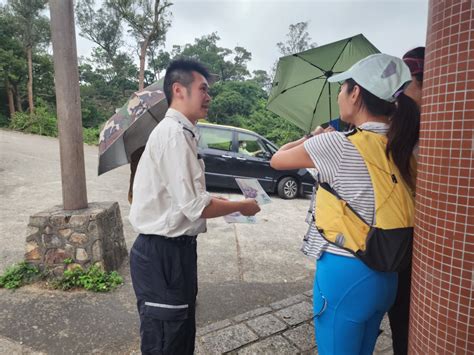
point(308, 135)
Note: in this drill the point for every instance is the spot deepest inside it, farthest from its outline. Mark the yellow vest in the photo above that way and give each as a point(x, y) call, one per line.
point(386, 245)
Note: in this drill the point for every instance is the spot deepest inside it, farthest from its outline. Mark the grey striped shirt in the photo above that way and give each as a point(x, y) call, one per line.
point(342, 167)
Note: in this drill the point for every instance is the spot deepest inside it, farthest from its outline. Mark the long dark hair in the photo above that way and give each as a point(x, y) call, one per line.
point(404, 128)
point(415, 59)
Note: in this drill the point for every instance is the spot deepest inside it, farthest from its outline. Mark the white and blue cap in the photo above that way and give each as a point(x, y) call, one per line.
point(380, 74)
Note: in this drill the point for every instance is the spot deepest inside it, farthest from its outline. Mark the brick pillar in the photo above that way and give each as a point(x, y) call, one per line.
point(442, 298)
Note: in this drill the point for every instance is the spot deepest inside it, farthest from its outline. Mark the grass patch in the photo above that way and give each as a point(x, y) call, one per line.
point(20, 274)
point(93, 279)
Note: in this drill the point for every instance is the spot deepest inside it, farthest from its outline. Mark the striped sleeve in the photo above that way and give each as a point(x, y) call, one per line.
point(326, 151)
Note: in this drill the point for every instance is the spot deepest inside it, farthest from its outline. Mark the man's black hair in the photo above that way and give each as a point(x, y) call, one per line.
point(180, 71)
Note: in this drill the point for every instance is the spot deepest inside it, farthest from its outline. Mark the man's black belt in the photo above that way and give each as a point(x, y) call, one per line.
point(180, 238)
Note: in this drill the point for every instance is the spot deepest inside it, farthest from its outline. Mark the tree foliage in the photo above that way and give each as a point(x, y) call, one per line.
point(13, 67)
point(227, 63)
point(109, 75)
point(33, 33)
point(103, 27)
point(297, 39)
point(148, 22)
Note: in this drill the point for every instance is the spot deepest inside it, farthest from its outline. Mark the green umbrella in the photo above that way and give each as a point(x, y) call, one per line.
point(300, 91)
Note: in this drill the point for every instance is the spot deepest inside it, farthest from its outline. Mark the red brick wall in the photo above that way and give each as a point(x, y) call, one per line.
point(442, 301)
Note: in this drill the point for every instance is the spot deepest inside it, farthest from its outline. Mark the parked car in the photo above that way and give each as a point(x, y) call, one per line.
point(231, 152)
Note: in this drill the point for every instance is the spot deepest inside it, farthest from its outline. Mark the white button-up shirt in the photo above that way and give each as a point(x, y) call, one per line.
point(169, 190)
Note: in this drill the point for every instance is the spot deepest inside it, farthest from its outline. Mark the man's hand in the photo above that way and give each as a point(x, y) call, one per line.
point(249, 207)
point(221, 198)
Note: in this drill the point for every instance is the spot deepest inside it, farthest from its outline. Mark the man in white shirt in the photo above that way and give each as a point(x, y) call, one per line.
point(169, 209)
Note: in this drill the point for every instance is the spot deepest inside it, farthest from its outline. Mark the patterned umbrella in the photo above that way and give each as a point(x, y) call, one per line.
point(128, 129)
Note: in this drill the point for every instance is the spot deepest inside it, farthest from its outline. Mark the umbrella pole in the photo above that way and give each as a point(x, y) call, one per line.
point(330, 102)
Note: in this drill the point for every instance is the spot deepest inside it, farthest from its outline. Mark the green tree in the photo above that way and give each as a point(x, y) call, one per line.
point(100, 95)
point(262, 79)
point(148, 21)
point(297, 39)
point(33, 32)
point(233, 100)
point(12, 62)
point(271, 126)
point(206, 50)
point(103, 27)
point(158, 61)
point(43, 75)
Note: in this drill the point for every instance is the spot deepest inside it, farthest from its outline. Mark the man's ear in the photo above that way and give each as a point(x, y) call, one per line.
point(178, 90)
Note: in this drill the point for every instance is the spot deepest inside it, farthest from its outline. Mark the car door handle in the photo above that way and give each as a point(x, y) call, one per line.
point(239, 158)
point(226, 156)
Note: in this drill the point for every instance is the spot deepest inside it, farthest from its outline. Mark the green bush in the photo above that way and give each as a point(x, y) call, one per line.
point(4, 121)
point(91, 135)
point(41, 122)
point(93, 279)
point(19, 274)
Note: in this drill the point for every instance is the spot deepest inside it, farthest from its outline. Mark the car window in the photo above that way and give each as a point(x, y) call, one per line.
point(214, 138)
point(271, 148)
point(250, 145)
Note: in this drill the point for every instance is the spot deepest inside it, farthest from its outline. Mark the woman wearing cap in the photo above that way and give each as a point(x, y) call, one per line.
point(399, 313)
point(349, 297)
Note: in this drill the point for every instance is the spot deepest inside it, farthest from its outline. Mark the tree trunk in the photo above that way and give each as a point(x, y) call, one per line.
point(11, 103)
point(19, 106)
point(30, 80)
point(141, 75)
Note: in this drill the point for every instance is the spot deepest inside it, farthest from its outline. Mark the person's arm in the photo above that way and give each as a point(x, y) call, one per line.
point(219, 207)
point(317, 130)
point(293, 144)
point(293, 155)
point(292, 158)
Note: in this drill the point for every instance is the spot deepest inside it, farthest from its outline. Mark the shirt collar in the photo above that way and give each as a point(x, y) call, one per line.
point(374, 126)
point(182, 120)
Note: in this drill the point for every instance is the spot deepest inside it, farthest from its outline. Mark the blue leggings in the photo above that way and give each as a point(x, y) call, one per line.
point(349, 302)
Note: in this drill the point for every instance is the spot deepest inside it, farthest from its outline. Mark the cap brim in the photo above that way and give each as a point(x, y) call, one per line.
point(340, 77)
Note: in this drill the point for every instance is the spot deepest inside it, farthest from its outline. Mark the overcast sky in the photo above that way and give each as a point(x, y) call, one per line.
point(257, 25)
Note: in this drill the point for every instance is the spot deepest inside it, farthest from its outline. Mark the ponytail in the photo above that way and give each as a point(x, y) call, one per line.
point(403, 136)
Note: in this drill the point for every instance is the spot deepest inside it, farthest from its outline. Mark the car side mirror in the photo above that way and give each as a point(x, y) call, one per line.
point(266, 155)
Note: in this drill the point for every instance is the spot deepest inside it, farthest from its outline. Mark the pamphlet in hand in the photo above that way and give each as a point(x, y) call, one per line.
point(237, 217)
point(251, 188)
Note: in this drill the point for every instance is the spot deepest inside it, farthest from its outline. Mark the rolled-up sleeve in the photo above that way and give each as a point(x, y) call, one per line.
point(184, 177)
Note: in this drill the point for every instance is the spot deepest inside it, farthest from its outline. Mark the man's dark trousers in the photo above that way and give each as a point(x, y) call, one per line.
point(164, 277)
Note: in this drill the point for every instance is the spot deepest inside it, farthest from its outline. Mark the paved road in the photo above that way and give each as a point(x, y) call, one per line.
point(241, 267)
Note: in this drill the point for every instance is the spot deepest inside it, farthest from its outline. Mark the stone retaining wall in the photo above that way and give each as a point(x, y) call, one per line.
point(91, 236)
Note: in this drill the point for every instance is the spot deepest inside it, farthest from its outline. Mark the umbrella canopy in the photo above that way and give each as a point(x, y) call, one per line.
point(300, 91)
point(128, 129)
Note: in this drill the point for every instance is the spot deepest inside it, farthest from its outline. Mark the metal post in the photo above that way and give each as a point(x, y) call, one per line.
point(68, 105)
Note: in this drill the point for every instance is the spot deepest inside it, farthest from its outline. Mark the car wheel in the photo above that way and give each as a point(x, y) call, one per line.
point(287, 188)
